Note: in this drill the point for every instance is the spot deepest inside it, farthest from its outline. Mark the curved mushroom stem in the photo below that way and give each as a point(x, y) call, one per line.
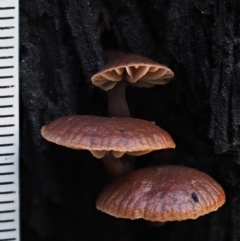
point(118, 166)
point(117, 104)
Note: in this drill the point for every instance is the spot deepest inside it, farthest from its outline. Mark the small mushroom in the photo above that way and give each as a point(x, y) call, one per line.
point(102, 135)
point(121, 69)
point(134, 68)
point(161, 194)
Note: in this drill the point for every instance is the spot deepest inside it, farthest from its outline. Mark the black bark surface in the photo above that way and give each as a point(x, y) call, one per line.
point(61, 48)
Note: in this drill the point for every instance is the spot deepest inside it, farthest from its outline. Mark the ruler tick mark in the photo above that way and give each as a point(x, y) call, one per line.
point(6, 77)
point(8, 239)
point(6, 164)
point(6, 86)
point(6, 183)
point(7, 211)
point(6, 116)
point(6, 96)
point(6, 135)
point(6, 57)
point(7, 8)
point(7, 230)
point(6, 28)
point(3, 193)
point(6, 18)
point(6, 67)
point(7, 47)
point(7, 154)
point(7, 221)
point(6, 106)
point(5, 202)
point(7, 144)
point(6, 37)
point(9, 125)
point(6, 173)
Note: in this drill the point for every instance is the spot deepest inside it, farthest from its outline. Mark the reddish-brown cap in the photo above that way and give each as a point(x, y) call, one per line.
point(137, 69)
point(167, 193)
point(101, 134)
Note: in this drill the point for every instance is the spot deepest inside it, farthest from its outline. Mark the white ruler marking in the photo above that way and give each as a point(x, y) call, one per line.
point(9, 120)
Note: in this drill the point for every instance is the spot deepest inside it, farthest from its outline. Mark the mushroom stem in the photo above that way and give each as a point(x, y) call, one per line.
point(118, 166)
point(118, 107)
point(117, 104)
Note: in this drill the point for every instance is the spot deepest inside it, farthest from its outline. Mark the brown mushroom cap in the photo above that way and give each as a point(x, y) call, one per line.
point(137, 69)
point(167, 193)
point(101, 134)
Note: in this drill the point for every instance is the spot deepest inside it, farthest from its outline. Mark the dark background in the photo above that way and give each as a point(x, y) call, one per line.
point(61, 48)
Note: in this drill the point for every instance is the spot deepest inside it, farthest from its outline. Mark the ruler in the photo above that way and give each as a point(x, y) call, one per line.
point(9, 120)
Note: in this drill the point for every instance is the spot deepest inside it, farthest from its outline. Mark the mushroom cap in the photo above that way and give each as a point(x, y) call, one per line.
point(138, 70)
point(167, 193)
point(102, 134)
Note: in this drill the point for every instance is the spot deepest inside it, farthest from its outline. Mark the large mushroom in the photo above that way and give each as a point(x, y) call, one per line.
point(122, 69)
point(108, 137)
point(161, 194)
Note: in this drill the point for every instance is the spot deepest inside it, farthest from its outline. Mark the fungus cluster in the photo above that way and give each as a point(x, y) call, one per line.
point(159, 194)
point(111, 137)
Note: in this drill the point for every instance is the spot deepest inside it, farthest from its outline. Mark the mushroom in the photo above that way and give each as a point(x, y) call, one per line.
point(112, 136)
point(161, 194)
point(121, 69)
